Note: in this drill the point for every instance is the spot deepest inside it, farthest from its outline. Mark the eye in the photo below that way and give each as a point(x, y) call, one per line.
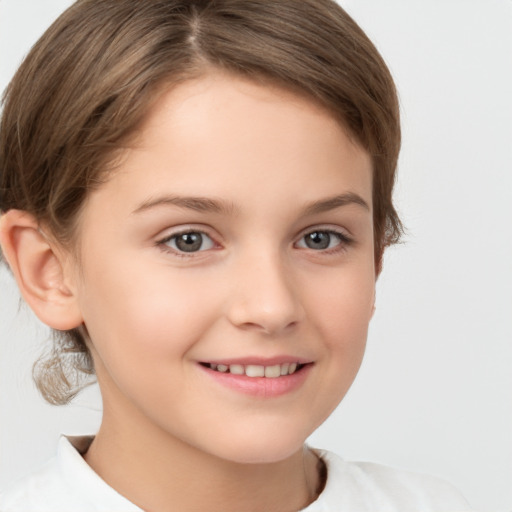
point(321, 240)
point(188, 242)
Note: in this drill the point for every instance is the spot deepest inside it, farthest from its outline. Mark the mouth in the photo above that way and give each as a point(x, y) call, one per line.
point(261, 378)
point(257, 371)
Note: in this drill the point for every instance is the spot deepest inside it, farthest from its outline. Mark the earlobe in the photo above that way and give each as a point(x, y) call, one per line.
point(38, 270)
point(373, 305)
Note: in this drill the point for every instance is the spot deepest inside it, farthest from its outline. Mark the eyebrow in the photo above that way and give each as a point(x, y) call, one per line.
point(211, 205)
point(331, 203)
point(199, 204)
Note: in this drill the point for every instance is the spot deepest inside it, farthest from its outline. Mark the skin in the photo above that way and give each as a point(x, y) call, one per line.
point(172, 438)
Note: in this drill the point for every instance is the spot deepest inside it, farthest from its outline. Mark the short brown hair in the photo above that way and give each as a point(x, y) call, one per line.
point(85, 86)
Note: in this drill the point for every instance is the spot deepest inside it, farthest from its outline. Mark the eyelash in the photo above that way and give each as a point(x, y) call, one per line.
point(344, 242)
point(162, 244)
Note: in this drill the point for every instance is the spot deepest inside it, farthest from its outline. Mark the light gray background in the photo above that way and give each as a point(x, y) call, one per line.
point(435, 391)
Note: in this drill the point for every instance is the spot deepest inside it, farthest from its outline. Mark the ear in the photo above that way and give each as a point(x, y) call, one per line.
point(39, 271)
point(373, 304)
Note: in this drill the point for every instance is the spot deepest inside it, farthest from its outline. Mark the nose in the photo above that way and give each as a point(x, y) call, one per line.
point(265, 297)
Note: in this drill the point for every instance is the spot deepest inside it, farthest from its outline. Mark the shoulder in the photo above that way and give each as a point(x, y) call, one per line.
point(41, 489)
point(65, 484)
point(366, 487)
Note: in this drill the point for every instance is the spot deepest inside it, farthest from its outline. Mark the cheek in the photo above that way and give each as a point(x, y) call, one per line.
point(340, 314)
point(340, 307)
point(343, 306)
point(144, 313)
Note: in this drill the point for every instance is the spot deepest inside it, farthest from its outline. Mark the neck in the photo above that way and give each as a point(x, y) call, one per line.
point(158, 472)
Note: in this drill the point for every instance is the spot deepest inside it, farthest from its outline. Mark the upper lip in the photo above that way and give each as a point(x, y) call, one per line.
point(261, 361)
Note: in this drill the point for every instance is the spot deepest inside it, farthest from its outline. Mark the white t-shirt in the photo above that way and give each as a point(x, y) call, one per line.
point(68, 484)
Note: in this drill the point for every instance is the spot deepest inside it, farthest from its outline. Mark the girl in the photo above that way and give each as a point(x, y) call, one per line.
point(196, 197)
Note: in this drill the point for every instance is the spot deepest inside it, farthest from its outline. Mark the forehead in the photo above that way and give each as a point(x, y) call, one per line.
point(229, 137)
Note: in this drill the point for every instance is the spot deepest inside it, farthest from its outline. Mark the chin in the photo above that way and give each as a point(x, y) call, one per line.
point(259, 448)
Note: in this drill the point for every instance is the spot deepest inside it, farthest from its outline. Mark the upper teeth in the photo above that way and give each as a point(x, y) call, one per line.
point(255, 370)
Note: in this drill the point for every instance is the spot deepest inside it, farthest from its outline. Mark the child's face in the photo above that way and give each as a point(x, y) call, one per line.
point(262, 180)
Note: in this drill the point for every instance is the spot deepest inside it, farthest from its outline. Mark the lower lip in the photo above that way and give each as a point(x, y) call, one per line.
point(263, 387)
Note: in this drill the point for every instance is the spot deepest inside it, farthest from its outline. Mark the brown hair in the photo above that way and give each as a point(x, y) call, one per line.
point(85, 86)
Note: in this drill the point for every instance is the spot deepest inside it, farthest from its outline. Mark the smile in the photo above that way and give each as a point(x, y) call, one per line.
point(270, 380)
point(254, 370)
